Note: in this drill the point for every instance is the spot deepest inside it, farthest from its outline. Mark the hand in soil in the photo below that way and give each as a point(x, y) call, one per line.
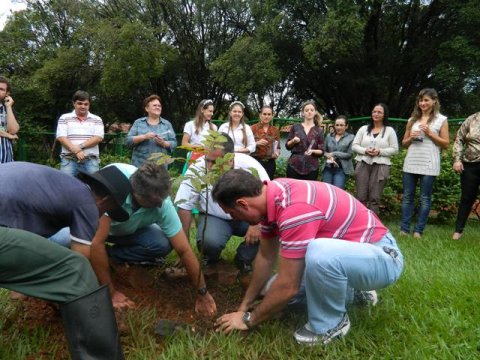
point(205, 305)
point(120, 301)
point(229, 322)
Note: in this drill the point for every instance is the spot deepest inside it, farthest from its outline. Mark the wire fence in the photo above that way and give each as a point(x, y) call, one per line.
point(41, 147)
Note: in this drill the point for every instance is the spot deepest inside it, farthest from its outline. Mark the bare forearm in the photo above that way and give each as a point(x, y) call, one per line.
point(284, 287)
point(439, 141)
point(67, 144)
point(275, 300)
point(100, 265)
point(93, 141)
point(263, 269)
point(6, 134)
point(99, 256)
point(192, 265)
point(186, 219)
point(12, 124)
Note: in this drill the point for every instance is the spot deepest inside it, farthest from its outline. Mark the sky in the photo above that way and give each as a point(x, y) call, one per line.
point(7, 6)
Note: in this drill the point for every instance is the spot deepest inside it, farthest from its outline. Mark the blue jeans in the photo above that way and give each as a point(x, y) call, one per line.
point(334, 268)
point(334, 176)
point(148, 245)
point(72, 167)
point(217, 233)
point(62, 237)
point(408, 202)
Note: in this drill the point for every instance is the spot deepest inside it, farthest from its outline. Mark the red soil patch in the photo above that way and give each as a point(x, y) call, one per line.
point(173, 298)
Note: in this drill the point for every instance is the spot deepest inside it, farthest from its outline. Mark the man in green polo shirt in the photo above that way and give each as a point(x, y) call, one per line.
point(151, 233)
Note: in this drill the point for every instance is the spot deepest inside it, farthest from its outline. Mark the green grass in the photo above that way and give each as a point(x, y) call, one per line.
point(432, 312)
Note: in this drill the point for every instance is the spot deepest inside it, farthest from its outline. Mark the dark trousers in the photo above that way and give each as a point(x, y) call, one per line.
point(270, 166)
point(292, 174)
point(469, 182)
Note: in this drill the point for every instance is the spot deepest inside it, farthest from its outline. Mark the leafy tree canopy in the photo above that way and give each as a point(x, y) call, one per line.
point(344, 54)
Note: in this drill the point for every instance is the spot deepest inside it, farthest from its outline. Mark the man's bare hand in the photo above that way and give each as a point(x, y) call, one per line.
point(253, 234)
point(229, 322)
point(205, 305)
point(120, 301)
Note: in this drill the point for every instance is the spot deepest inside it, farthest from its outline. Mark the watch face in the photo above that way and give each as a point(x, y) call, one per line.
point(202, 291)
point(246, 317)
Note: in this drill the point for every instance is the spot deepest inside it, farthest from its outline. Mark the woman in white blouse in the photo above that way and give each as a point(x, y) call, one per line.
point(195, 130)
point(238, 130)
point(425, 135)
point(374, 144)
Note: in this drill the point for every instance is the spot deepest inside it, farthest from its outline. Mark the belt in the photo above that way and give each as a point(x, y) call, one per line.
point(73, 157)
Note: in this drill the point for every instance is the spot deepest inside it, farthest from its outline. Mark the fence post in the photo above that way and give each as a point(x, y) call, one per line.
point(119, 142)
point(22, 149)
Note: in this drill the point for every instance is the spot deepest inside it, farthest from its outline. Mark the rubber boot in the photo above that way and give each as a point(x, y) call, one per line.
point(91, 328)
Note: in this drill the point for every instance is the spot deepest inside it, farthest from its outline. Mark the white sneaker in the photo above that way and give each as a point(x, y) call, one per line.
point(306, 336)
point(365, 298)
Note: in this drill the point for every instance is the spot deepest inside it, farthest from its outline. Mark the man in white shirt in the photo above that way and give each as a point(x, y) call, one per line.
point(220, 227)
point(80, 132)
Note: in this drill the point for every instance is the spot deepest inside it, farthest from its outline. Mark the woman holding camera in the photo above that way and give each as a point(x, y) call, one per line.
point(152, 133)
point(426, 133)
point(374, 144)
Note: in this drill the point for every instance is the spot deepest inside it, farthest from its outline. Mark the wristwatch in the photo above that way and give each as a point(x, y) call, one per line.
point(82, 146)
point(202, 291)
point(247, 316)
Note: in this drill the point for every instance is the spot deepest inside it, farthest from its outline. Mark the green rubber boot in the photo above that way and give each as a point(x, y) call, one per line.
point(91, 328)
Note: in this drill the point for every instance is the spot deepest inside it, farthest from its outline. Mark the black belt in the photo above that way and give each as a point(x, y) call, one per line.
point(73, 157)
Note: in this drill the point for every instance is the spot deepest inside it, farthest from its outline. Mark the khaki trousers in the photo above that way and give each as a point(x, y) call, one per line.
point(370, 181)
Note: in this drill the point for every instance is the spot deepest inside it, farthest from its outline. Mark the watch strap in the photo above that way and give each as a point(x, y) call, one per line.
point(202, 291)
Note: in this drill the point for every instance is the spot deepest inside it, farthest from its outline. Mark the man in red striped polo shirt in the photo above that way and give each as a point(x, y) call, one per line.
point(333, 251)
